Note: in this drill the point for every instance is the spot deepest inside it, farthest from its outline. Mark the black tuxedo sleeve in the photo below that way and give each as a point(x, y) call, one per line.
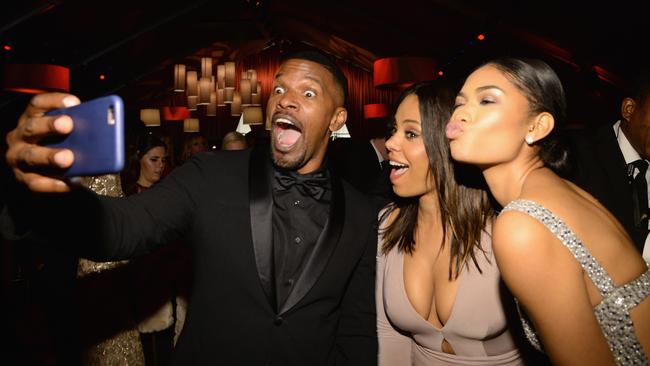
point(357, 332)
point(105, 228)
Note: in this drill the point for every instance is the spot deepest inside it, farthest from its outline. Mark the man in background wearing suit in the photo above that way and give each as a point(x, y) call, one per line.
point(284, 252)
point(612, 163)
point(364, 164)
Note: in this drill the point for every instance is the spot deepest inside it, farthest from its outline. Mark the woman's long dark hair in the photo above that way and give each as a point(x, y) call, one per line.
point(464, 204)
point(131, 174)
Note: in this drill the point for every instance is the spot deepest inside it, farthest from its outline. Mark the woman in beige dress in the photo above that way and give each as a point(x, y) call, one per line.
point(438, 287)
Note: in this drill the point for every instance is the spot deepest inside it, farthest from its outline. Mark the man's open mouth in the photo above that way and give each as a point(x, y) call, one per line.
point(286, 132)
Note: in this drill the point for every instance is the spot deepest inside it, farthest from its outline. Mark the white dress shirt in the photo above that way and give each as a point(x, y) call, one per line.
point(380, 157)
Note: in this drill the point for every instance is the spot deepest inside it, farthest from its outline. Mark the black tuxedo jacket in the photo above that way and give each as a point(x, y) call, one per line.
point(599, 168)
point(221, 204)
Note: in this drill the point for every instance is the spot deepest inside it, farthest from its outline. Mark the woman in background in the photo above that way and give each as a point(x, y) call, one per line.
point(194, 143)
point(146, 166)
point(105, 298)
point(566, 259)
point(438, 295)
point(162, 280)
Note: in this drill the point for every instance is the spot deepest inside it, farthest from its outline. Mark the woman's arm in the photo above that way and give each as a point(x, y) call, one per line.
point(394, 347)
point(550, 285)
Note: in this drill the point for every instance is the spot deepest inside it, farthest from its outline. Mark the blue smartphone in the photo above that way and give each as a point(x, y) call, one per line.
point(97, 139)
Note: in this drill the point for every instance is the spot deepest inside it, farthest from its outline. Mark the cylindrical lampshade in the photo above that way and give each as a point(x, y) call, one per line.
point(179, 78)
point(402, 71)
point(211, 109)
point(204, 91)
point(245, 92)
point(34, 78)
point(230, 74)
point(235, 107)
point(375, 111)
point(206, 67)
point(256, 99)
point(228, 94)
point(191, 125)
point(253, 115)
point(192, 84)
point(252, 76)
point(221, 76)
point(220, 98)
point(192, 102)
point(175, 113)
point(150, 117)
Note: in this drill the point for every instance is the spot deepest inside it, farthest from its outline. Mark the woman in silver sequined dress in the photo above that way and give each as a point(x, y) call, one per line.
point(106, 300)
point(569, 262)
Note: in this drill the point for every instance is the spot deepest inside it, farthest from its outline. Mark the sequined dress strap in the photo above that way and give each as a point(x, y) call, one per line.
point(613, 313)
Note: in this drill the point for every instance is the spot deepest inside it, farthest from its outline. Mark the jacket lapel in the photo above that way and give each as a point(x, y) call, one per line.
point(261, 204)
point(613, 164)
point(615, 168)
point(324, 248)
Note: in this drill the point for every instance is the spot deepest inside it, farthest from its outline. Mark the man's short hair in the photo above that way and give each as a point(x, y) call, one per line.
point(326, 62)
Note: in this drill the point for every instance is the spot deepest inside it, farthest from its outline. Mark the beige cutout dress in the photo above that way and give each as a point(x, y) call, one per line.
point(477, 328)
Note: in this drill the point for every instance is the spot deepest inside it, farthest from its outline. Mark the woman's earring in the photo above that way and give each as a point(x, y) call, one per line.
point(529, 140)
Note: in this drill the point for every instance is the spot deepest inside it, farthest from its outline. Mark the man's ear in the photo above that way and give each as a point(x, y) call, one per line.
point(339, 118)
point(627, 108)
point(541, 126)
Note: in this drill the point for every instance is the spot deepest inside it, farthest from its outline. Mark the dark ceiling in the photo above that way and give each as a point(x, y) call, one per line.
point(136, 43)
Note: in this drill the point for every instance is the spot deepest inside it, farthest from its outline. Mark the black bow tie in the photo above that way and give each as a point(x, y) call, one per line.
point(313, 185)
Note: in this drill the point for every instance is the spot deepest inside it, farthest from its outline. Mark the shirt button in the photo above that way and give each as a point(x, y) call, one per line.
point(296, 202)
point(278, 321)
point(289, 283)
point(297, 240)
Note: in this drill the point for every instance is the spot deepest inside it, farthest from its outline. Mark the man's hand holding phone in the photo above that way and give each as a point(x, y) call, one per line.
point(34, 165)
point(59, 137)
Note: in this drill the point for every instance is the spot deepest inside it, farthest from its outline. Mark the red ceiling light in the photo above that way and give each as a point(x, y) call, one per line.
point(175, 113)
point(34, 78)
point(6, 47)
point(376, 110)
point(608, 76)
point(102, 77)
point(399, 72)
point(480, 37)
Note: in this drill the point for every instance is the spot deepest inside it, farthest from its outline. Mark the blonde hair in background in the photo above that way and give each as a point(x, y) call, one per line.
point(234, 140)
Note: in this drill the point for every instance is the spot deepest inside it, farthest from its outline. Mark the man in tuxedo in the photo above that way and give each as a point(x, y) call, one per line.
point(611, 163)
point(284, 252)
